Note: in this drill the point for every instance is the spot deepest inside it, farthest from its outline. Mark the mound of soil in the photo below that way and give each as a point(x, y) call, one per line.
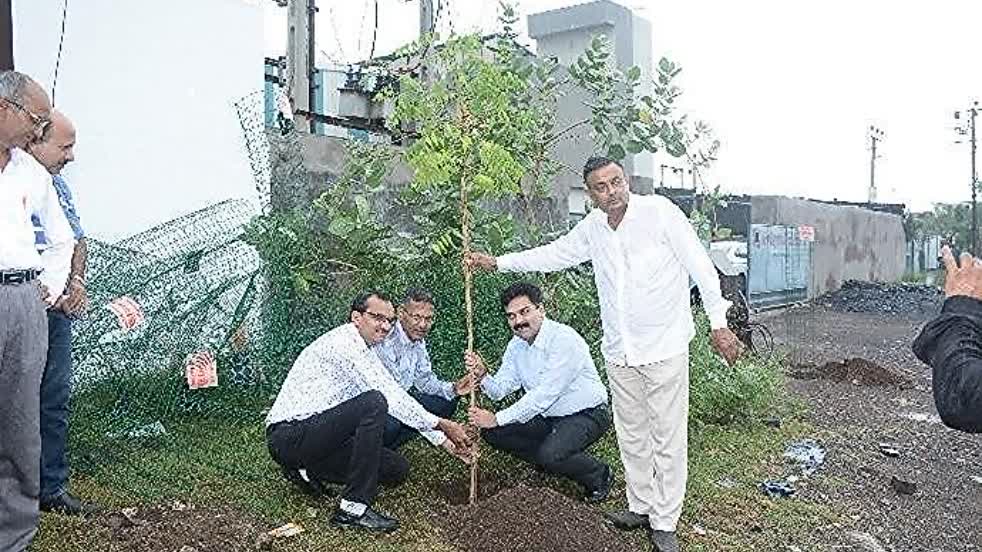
point(857, 370)
point(532, 519)
point(198, 529)
point(457, 491)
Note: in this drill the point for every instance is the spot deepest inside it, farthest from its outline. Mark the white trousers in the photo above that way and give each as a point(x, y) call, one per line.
point(651, 413)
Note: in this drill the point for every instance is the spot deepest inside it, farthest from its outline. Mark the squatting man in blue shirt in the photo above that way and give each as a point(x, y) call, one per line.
point(564, 408)
point(405, 357)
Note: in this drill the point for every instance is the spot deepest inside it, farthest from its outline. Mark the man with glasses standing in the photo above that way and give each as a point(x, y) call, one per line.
point(54, 151)
point(329, 417)
point(29, 282)
point(643, 251)
point(405, 356)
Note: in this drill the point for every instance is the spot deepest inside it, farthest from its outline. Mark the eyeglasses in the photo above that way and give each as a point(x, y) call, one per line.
point(605, 187)
point(420, 319)
point(40, 125)
point(381, 318)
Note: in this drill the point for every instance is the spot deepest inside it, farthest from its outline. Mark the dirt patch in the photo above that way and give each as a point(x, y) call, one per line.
point(457, 491)
point(184, 528)
point(532, 519)
point(853, 370)
point(858, 422)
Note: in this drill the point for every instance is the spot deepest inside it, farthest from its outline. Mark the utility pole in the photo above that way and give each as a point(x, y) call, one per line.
point(875, 135)
point(300, 68)
point(681, 172)
point(426, 22)
point(972, 112)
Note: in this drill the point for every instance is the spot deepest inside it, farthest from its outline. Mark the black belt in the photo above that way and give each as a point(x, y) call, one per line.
point(18, 276)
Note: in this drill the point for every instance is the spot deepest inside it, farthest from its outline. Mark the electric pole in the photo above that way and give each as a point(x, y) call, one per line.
point(972, 112)
point(875, 135)
point(426, 22)
point(300, 59)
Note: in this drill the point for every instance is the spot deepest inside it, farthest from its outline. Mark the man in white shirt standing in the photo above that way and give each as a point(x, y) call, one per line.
point(54, 151)
point(643, 250)
point(25, 190)
point(328, 419)
point(405, 356)
point(564, 408)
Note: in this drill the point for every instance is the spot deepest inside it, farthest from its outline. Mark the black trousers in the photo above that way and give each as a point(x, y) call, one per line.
point(398, 433)
point(342, 445)
point(557, 444)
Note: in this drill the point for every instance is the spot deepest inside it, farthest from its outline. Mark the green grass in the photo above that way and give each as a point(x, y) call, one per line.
point(225, 464)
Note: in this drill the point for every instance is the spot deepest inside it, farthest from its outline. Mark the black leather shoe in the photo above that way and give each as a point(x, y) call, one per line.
point(369, 521)
point(627, 520)
point(602, 492)
point(664, 541)
point(311, 487)
point(69, 505)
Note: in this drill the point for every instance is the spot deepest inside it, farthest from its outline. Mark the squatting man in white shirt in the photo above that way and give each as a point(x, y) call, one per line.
point(564, 408)
point(328, 419)
point(643, 250)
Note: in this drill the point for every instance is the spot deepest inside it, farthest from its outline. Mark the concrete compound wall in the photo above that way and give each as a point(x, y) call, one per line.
point(851, 243)
point(296, 182)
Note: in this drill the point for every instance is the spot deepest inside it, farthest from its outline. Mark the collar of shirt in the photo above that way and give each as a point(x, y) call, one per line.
point(542, 339)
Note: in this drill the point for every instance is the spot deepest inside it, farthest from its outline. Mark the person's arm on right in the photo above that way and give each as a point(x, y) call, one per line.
point(952, 345)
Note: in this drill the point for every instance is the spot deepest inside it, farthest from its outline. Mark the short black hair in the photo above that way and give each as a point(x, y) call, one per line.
point(417, 295)
point(598, 162)
point(360, 304)
point(521, 289)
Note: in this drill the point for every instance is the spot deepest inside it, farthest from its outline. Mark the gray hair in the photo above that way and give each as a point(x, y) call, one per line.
point(13, 85)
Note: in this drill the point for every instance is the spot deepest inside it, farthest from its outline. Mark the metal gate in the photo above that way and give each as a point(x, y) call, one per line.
point(779, 265)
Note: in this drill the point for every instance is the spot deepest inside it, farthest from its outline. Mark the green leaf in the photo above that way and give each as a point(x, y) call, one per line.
point(341, 226)
point(634, 73)
point(634, 146)
point(362, 205)
point(616, 151)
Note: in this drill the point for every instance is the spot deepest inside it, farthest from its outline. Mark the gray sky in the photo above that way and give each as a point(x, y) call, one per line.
point(790, 88)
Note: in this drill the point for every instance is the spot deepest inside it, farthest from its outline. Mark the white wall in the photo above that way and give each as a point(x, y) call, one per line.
point(150, 84)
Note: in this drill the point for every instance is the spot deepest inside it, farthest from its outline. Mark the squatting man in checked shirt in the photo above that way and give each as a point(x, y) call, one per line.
point(405, 356)
point(328, 420)
point(643, 250)
point(564, 408)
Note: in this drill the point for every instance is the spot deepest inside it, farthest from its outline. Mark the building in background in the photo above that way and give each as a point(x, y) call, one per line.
point(152, 87)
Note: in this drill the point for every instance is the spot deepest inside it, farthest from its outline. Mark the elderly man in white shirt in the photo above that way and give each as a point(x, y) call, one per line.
point(564, 408)
point(328, 418)
point(405, 356)
point(643, 250)
point(25, 190)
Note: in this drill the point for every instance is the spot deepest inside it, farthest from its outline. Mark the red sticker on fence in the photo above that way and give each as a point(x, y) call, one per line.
point(128, 312)
point(806, 233)
point(201, 370)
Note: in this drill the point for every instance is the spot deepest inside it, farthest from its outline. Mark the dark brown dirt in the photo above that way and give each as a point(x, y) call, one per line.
point(200, 529)
point(944, 513)
point(532, 519)
point(457, 491)
point(858, 371)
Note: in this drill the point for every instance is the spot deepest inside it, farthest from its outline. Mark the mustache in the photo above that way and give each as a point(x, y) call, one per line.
point(521, 326)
